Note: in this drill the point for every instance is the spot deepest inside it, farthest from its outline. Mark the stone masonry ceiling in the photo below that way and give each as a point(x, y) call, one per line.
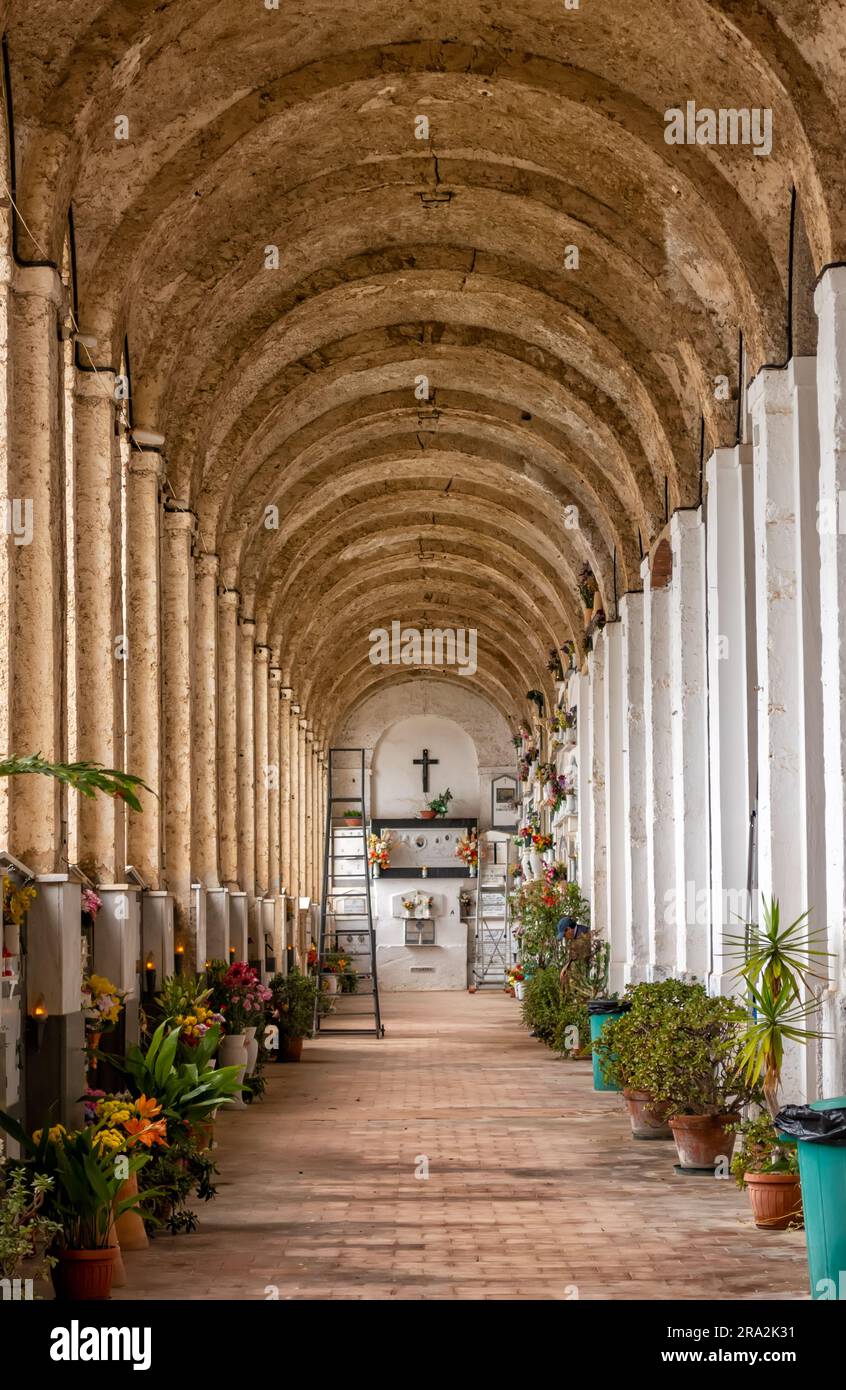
point(554, 383)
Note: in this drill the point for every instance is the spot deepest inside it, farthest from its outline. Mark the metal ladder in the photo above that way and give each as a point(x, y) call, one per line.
point(493, 946)
point(350, 932)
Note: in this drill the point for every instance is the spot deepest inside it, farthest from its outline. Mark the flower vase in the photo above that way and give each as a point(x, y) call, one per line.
point(472, 870)
point(330, 983)
point(536, 862)
point(526, 861)
point(252, 1050)
point(375, 870)
point(233, 1053)
point(129, 1226)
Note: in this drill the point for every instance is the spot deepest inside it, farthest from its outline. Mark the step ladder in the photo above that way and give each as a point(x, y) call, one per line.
point(346, 910)
point(493, 951)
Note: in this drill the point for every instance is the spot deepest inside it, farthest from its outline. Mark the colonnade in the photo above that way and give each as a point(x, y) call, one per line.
point(126, 644)
point(712, 715)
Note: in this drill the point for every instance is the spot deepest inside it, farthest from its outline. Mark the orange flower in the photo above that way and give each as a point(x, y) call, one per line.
point(148, 1134)
point(147, 1108)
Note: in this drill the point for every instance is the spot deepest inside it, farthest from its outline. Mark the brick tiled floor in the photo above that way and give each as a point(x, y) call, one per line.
point(535, 1187)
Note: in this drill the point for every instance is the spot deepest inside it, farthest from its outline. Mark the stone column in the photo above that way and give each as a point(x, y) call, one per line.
point(227, 734)
point(246, 758)
point(308, 772)
point(615, 871)
point(598, 881)
point(96, 561)
point(273, 762)
point(302, 804)
point(36, 559)
point(204, 720)
point(634, 855)
point(263, 775)
point(689, 725)
point(732, 678)
point(177, 578)
point(143, 698)
point(285, 725)
point(295, 804)
point(660, 842)
point(830, 303)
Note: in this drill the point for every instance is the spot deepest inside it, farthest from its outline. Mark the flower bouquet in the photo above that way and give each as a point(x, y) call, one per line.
point(467, 849)
point(379, 850)
point(91, 903)
point(239, 997)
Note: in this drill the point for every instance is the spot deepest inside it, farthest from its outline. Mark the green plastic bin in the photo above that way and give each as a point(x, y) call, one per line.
point(600, 1011)
point(822, 1168)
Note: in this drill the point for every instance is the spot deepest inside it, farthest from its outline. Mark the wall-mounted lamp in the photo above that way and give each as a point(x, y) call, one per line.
point(178, 955)
point(37, 1022)
point(150, 976)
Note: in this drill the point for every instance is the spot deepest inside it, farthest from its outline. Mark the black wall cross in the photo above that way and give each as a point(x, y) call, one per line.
point(426, 762)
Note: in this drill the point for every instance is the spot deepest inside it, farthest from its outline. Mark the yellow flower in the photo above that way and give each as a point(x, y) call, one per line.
point(56, 1133)
point(109, 1140)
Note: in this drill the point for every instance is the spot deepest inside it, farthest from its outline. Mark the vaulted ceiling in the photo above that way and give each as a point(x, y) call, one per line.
point(556, 390)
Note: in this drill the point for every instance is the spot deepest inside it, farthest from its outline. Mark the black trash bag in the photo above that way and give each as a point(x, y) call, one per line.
point(608, 1006)
point(813, 1126)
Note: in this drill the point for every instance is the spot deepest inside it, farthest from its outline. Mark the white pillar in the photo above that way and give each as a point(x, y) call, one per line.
point(660, 833)
point(830, 303)
point(580, 690)
point(176, 673)
point(689, 724)
point(633, 848)
point(598, 893)
point(227, 736)
point(615, 868)
point(731, 717)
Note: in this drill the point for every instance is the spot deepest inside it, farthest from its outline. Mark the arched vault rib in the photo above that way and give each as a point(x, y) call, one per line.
point(454, 466)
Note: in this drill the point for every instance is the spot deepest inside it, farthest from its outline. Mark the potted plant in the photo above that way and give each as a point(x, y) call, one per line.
point(184, 1003)
point(626, 1053)
point(351, 819)
point(775, 964)
point(587, 591)
point(26, 1232)
point(696, 1068)
point(239, 996)
point(438, 806)
point(292, 1009)
point(768, 1168)
point(82, 1199)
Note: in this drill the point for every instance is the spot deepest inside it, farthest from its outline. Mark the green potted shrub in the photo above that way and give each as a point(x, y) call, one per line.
point(351, 818)
point(776, 962)
point(626, 1048)
point(26, 1233)
point(438, 806)
point(768, 1168)
point(82, 1199)
point(292, 1008)
point(695, 1067)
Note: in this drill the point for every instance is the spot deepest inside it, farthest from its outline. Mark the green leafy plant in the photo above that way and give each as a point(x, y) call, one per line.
point(776, 963)
point(440, 803)
point(630, 1048)
point(759, 1150)
point(25, 1231)
point(694, 1057)
point(292, 1004)
point(84, 1178)
point(85, 777)
point(188, 1091)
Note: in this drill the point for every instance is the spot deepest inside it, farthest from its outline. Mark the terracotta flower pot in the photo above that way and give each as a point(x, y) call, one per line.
point(701, 1140)
point(352, 821)
point(129, 1226)
point(290, 1049)
point(428, 815)
point(84, 1274)
point(648, 1118)
point(776, 1200)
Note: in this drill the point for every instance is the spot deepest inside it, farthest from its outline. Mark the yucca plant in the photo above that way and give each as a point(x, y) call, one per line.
point(777, 963)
